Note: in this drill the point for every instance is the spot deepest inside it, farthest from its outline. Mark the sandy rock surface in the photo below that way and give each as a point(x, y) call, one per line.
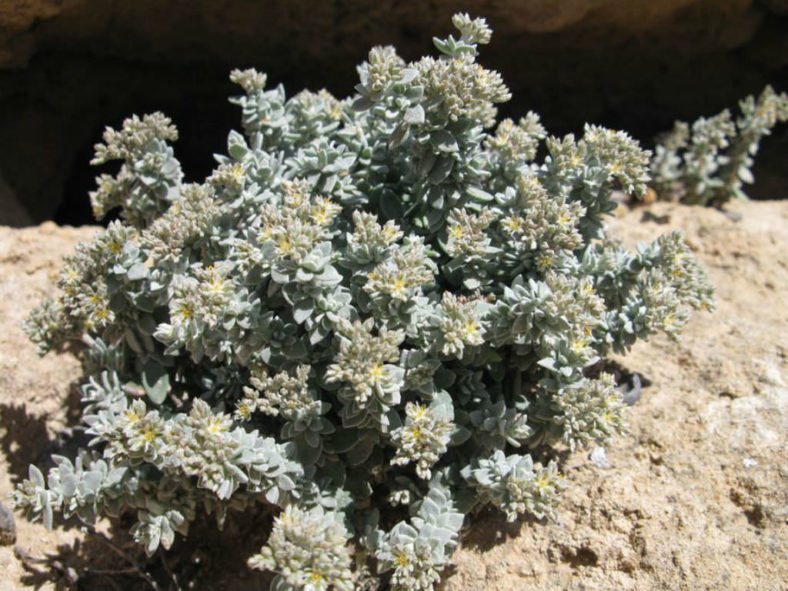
point(695, 495)
point(34, 392)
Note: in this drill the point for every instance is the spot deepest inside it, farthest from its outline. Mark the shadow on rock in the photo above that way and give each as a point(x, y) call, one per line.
point(25, 440)
point(208, 559)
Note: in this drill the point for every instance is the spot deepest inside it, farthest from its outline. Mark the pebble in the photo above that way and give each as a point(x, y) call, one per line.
point(631, 394)
point(598, 457)
point(7, 526)
point(771, 375)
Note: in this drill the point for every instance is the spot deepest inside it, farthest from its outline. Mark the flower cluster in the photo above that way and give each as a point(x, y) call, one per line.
point(150, 177)
point(423, 438)
point(308, 550)
point(368, 317)
point(417, 550)
point(515, 484)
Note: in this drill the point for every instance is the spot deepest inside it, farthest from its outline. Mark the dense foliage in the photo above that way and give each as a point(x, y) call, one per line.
point(368, 316)
point(709, 162)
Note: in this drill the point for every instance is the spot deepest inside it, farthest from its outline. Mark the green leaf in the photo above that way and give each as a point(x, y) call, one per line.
point(479, 194)
point(132, 341)
point(236, 145)
point(414, 115)
point(137, 271)
point(302, 311)
point(441, 45)
point(408, 75)
point(399, 135)
point(391, 206)
point(746, 175)
point(155, 382)
point(444, 141)
point(359, 453)
point(426, 164)
point(441, 171)
point(362, 103)
point(471, 283)
point(343, 441)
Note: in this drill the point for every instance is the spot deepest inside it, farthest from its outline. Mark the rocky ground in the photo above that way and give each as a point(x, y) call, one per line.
point(695, 496)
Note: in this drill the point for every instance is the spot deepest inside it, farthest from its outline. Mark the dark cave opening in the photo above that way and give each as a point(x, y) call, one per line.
point(54, 110)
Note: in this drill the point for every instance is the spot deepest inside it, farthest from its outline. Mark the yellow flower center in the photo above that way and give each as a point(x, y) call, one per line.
point(513, 224)
point(471, 329)
point(545, 262)
point(265, 233)
point(456, 231)
point(216, 286)
point(285, 246)
point(216, 426)
point(579, 345)
point(186, 311)
point(389, 233)
point(377, 372)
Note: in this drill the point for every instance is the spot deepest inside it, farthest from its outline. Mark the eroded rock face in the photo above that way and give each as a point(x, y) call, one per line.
point(238, 30)
point(70, 67)
point(12, 213)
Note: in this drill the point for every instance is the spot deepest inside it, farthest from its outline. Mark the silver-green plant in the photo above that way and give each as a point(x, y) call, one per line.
point(710, 162)
point(370, 315)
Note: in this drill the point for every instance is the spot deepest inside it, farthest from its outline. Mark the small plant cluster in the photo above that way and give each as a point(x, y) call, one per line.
point(375, 315)
point(709, 162)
